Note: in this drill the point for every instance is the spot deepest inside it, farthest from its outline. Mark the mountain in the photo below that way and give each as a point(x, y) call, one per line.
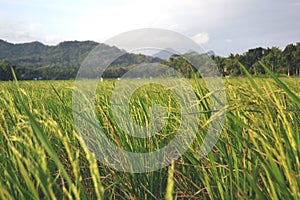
point(210, 53)
point(36, 54)
point(61, 61)
point(65, 54)
point(164, 54)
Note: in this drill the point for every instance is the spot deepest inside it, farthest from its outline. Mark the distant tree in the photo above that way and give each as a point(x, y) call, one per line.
point(297, 59)
point(181, 65)
point(6, 70)
point(220, 63)
point(252, 56)
point(272, 58)
point(288, 58)
point(231, 65)
point(34, 60)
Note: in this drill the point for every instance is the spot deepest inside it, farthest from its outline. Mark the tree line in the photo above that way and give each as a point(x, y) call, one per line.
point(35, 60)
point(286, 61)
point(281, 62)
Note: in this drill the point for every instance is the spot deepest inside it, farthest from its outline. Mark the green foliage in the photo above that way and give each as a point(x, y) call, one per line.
point(256, 157)
point(181, 65)
point(6, 71)
point(35, 60)
point(279, 62)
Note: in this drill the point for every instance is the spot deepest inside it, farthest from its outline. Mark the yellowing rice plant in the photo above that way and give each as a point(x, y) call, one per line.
point(257, 156)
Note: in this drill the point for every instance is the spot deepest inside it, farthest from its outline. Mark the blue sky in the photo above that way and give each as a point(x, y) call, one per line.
point(223, 26)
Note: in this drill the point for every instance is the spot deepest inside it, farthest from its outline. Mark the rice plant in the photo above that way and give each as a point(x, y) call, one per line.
point(257, 156)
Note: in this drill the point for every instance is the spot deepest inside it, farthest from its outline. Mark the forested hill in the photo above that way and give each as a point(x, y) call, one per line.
point(36, 54)
point(62, 61)
point(38, 61)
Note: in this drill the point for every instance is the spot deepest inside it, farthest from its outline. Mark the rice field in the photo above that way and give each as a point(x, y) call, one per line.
point(257, 155)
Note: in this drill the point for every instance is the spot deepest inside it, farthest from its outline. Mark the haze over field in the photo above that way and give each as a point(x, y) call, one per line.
point(222, 26)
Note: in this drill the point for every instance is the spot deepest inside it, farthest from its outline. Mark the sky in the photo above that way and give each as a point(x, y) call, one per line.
point(224, 26)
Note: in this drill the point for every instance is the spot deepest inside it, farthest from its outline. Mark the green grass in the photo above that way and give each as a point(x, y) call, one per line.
point(256, 157)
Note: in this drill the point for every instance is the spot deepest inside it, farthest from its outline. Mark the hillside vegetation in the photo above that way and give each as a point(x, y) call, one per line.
point(36, 60)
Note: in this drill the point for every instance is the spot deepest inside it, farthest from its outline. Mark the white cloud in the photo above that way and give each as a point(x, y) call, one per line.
point(34, 27)
point(19, 31)
point(53, 39)
point(102, 20)
point(250, 22)
point(201, 38)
